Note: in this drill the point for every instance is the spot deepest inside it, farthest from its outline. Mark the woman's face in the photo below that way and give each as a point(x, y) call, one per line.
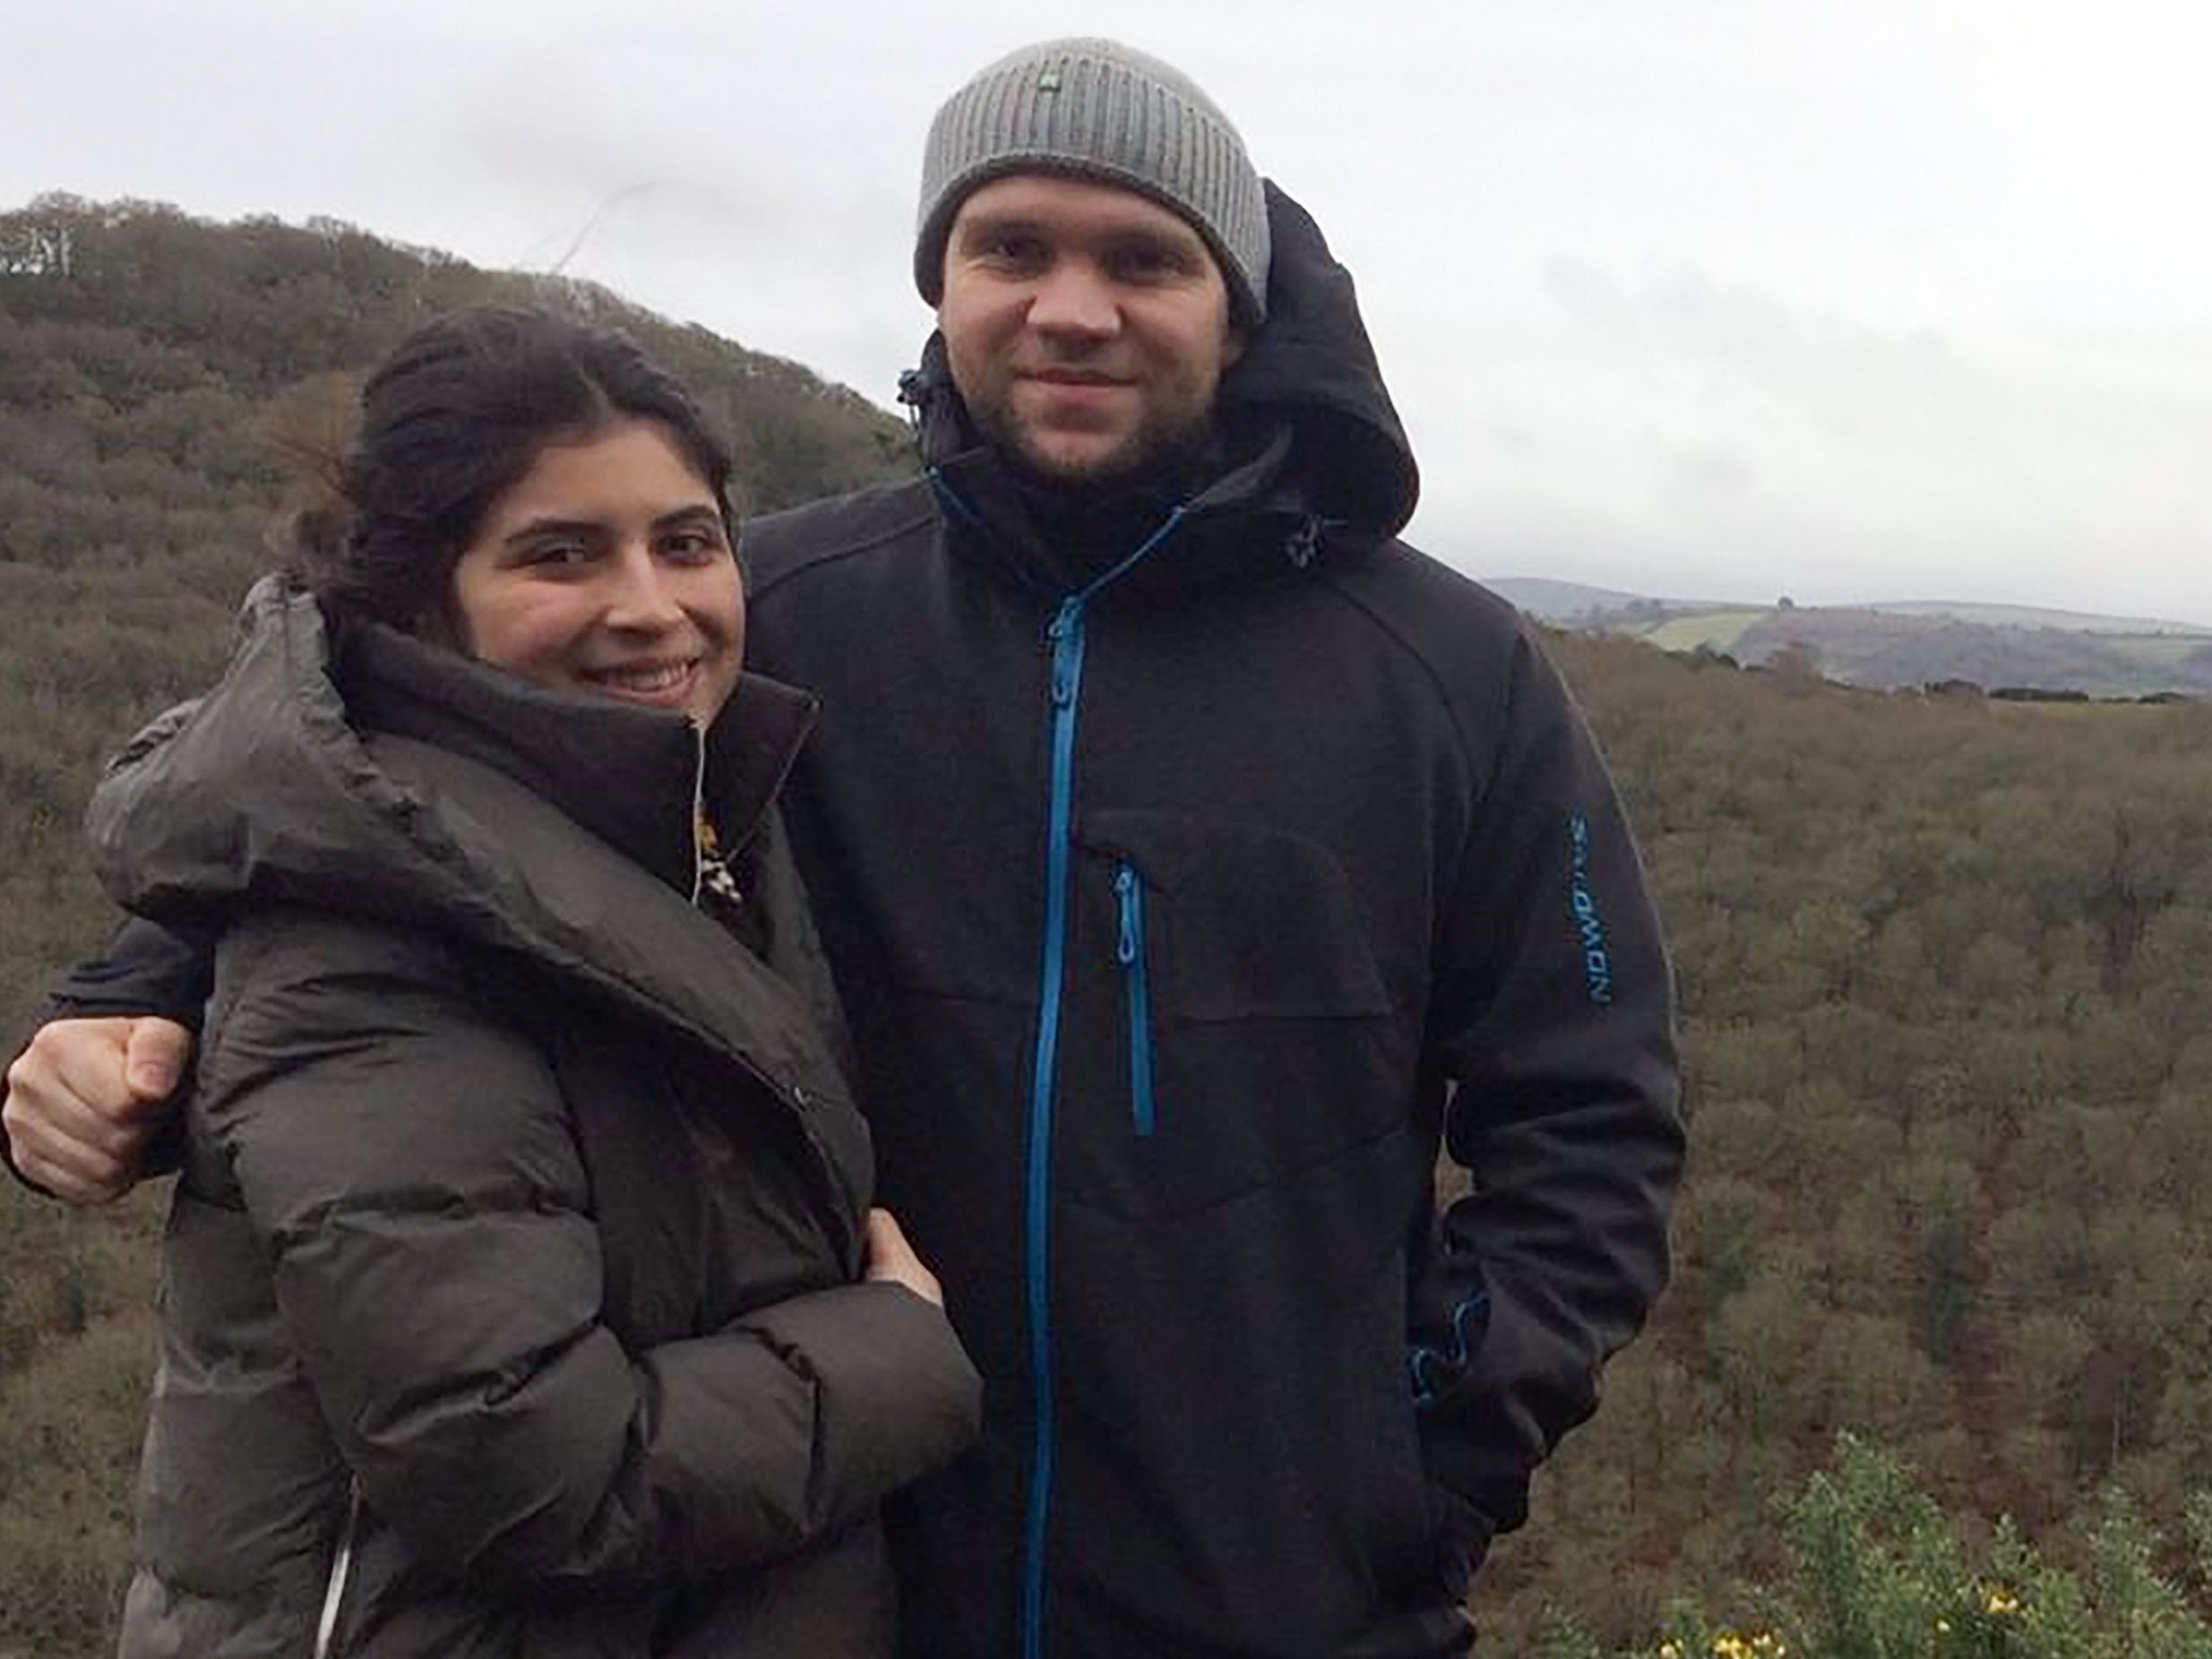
point(606, 568)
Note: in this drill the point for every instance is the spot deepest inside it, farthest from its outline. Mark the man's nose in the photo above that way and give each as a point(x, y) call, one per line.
point(1074, 298)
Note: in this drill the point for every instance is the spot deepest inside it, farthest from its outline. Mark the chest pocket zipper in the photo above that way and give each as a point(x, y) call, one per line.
point(1130, 950)
point(341, 1568)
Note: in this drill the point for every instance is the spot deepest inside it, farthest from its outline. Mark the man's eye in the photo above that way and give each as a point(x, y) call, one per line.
point(1142, 262)
point(1012, 248)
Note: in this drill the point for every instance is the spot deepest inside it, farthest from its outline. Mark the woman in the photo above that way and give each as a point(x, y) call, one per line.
point(522, 1293)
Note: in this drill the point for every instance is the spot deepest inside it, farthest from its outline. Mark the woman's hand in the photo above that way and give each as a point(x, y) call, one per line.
point(890, 1256)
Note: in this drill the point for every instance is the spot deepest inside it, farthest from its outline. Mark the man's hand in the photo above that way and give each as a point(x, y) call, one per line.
point(890, 1256)
point(86, 1096)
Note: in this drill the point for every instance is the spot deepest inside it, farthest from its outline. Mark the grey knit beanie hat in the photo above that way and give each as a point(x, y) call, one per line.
point(1096, 109)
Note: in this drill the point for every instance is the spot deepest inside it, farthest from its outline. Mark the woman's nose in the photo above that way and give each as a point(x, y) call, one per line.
point(639, 594)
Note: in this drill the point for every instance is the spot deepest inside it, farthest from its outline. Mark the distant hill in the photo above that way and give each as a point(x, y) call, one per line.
point(1561, 601)
point(151, 350)
point(2037, 616)
point(1903, 643)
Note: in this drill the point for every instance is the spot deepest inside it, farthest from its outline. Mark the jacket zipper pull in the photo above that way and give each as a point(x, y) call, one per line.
point(701, 830)
point(1066, 634)
point(1129, 950)
point(1125, 889)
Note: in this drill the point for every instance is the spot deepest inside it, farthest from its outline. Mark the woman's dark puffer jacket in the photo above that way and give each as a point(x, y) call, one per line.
point(508, 1299)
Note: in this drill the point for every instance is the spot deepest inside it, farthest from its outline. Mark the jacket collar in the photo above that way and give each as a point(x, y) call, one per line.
point(1060, 540)
point(632, 777)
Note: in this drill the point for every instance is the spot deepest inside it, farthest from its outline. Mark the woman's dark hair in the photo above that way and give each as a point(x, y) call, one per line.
point(454, 415)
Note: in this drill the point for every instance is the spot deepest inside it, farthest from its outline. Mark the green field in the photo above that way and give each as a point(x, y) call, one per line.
point(2159, 648)
point(1716, 630)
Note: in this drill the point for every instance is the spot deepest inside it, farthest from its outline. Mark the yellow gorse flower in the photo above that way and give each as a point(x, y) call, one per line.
point(1728, 1644)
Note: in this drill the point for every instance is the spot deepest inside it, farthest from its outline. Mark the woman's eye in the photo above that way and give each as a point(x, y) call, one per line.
point(556, 553)
point(694, 547)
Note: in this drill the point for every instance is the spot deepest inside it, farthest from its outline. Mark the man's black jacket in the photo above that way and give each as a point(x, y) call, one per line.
point(1191, 866)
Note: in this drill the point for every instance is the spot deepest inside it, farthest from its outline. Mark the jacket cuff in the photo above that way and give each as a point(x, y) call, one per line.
point(900, 1393)
point(149, 968)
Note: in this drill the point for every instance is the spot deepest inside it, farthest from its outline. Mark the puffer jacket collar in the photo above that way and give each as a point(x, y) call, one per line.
point(627, 774)
point(1307, 452)
point(461, 817)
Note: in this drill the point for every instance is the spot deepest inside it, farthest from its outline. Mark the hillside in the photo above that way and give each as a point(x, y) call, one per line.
point(1886, 650)
point(1941, 962)
point(2040, 616)
point(1903, 644)
point(151, 367)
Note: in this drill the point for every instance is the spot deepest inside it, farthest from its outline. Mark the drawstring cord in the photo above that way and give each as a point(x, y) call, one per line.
point(952, 499)
point(1303, 545)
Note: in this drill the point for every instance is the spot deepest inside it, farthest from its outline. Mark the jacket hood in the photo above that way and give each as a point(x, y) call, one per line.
point(1312, 366)
point(362, 771)
point(1305, 425)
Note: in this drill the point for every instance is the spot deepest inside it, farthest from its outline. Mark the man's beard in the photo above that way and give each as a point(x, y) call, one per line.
point(1154, 452)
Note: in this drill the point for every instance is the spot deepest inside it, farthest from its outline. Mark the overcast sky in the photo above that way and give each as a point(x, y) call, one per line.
point(1852, 301)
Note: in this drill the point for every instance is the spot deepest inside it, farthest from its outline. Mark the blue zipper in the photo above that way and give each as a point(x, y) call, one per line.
point(1065, 636)
point(1129, 952)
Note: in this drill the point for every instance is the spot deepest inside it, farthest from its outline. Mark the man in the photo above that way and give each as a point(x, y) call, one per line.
point(1194, 858)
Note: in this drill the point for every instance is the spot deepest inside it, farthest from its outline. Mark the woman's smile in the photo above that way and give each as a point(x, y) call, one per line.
point(663, 685)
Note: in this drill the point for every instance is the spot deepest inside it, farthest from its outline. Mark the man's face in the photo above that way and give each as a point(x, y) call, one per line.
point(1087, 326)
